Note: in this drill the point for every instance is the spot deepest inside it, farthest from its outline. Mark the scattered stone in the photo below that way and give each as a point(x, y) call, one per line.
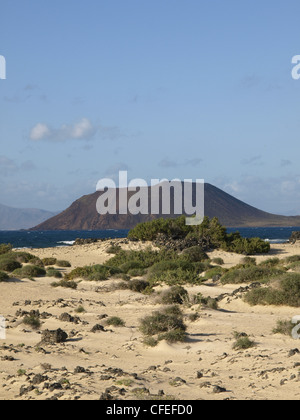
point(38, 379)
point(54, 336)
point(79, 369)
point(293, 352)
point(69, 318)
point(218, 389)
point(98, 327)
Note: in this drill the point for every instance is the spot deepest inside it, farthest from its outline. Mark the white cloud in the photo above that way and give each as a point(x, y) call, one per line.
point(81, 130)
point(40, 132)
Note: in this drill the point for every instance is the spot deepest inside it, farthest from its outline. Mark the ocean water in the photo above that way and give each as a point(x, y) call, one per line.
point(48, 239)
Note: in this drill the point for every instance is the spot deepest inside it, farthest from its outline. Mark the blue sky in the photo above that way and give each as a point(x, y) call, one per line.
point(162, 88)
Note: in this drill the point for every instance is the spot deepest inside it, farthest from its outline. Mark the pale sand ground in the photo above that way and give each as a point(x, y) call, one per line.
point(263, 372)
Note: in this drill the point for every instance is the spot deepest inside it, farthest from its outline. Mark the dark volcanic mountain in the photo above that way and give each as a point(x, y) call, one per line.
point(82, 214)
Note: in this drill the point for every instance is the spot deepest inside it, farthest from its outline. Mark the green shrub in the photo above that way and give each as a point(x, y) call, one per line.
point(243, 343)
point(160, 322)
point(250, 274)
point(23, 257)
point(271, 262)
point(214, 271)
point(173, 336)
point(174, 277)
point(29, 271)
point(292, 259)
point(65, 283)
point(49, 261)
point(194, 254)
point(3, 276)
point(96, 272)
point(284, 327)
point(5, 248)
point(175, 294)
point(128, 260)
point(63, 264)
point(33, 321)
point(246, 246)
point(149, 231)
point(285, 290)
point(115, 321)
point(37, 262)
point(113, 249)
point(52, 272)
point(138, 285)
point(136, 272)
point(246, 261)
point(208, 301)
point(209, 234)
point(218, 261)
point(8, 263)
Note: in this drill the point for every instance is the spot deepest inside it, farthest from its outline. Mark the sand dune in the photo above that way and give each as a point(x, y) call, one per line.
point(114, 363)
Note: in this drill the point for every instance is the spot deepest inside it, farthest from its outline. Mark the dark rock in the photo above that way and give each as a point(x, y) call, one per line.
point(54, 336)
point(218, 389)
point(293, 352)
point(98, 327)
point(69, 318)
point(79, 369)
point(38, 379)
point(55, 386)
point(24, 390)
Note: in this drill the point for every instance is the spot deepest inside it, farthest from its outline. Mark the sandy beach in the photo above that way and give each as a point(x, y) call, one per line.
point(113, 362)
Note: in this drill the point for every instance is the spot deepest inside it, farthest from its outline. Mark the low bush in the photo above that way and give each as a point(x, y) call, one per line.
point(247, 246)
point(243, 343)
point(3, 276)
point(246, 261)
point(250, 274)
point(63, 264)
point(292, 259)
point(52, 272)
point(96, 272)
point(113, 249)
point(284, 327)
point(210, 234)
point(115, 321)
point(49, 261)
point(161, 322)
point(207, 302)
point(285, 290)
point(9, 263)
point(5, 248)
point(138, 285)
point(270, 262)
point(194, 254)
point(218, 261)
point(175, 294)
point(65, 283)
point(29, 271)
point(23, 257)
point(33, 321)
